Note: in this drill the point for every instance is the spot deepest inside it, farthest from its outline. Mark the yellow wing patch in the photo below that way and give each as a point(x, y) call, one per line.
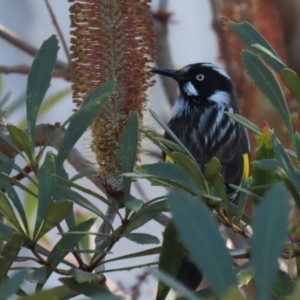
point(246, 167)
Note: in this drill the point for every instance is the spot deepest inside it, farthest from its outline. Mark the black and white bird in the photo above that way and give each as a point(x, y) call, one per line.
point(199, 121)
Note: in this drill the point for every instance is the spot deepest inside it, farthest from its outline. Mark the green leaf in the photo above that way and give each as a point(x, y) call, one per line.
point(198, 231)
point(6, 232)
point(268, 164)
point(128, 150)
point(269, 233)
point(134, 205)
point(39, 80)
point(57, 293)
point(250, 35)
point(171, 173)
point(170, 259)
point(145, 214)
point(286, 163)
point(9, 251)
point(269, 57)
point(244, 122)
point(56, 213)
point(233, 293)
point(296, 141)
point(8, 212)
point(11, 146)
point(141, 238)
point(11, 285)
point(292, 81)
point(83, 202)
point(176, 285)
point(284, 287)
point(46, 189)
point(82, 119)
point(6, 167)
point(82, 276)
point(265, 80)
point(87, 172)
point(21, 140)
point(90, 289)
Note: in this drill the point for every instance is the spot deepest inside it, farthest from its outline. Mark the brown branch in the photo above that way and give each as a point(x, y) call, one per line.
point(58, 30)
point(23, 69)
point(13, 39)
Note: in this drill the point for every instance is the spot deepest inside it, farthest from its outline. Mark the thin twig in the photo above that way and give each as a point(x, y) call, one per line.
point(23, 69)
point(59, 32)
point(13, 39)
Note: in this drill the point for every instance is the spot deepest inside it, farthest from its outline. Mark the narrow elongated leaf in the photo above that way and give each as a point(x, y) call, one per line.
point(168, 280)
point(9, 146)
point(87, 172)
point(82, 276)
point(6, 232)
point(90, 289)
point(21, 140)
point(7, 210)
point(83, 202)
point(265, 80)
point(244, 122)
point(9, 251)
point(142, 238)
point(198, 231)
point(170, 259)
point(171, 173)
point(269, 233)
point(46, 189)
point(269, 57)
point(134, 205)
point(292, 81)
point(286, 163)
point(39, 80)
point(296, 141)
point(128, 150)
point(250, 35)
point(58, 293)
point(11, 285)
point(56, 212)
point(82, 119)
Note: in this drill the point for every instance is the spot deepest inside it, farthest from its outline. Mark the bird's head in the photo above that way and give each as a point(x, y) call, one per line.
point(201, 81)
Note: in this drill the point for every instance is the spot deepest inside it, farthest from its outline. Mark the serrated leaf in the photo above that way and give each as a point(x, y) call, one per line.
point(170, 258)
point(141, 238)
point(134, 205)
point(9, 251)
point(176, 285)
point(47, 183)
point(8, 212)
point(56, 213)
point(269, 57)
point(250, 35)
point(292, 81)
point(21, 140)
point(269, 233)
point(128, 150)
point(39, 80)
point(206, 246)
point(244, 122)
point(11, 285)
point(83, 118)
point(265, 80)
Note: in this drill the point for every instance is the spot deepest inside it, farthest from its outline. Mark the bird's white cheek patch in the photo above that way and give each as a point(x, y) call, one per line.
point(190, 89)
point(220, 97)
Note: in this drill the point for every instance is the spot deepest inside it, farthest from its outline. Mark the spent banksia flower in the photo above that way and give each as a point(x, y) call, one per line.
point(111, 39)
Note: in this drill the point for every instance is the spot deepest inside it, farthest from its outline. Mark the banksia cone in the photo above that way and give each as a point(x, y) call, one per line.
point(111, 39)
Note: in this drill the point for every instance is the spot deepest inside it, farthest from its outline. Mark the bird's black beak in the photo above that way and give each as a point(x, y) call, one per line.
point(169, 73)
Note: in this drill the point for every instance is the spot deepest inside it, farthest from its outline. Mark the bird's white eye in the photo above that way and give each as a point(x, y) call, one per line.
point(200, 77)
